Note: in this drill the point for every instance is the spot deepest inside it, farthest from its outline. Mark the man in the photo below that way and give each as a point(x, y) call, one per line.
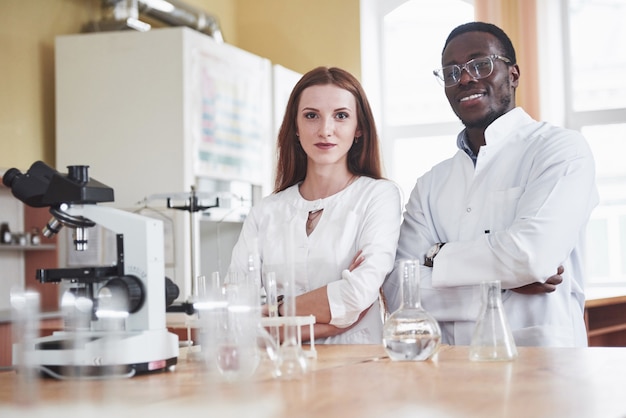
point(512, 204)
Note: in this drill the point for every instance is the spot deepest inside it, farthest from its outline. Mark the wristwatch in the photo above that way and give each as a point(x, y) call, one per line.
point(429, 258)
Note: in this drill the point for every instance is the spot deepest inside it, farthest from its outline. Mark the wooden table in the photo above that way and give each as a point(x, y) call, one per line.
point(353, 381)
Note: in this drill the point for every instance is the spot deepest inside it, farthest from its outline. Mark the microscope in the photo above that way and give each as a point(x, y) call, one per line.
point(114, 316)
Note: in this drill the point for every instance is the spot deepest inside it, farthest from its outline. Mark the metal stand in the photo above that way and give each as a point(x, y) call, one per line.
point(193, 206)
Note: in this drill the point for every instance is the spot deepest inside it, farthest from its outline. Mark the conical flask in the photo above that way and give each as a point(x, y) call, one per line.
point(410, 333)
point(492, 339)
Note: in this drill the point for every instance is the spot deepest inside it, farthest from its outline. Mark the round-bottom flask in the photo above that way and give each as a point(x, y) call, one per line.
point(410, 333)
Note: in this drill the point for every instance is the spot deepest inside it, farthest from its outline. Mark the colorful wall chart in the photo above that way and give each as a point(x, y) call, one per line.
point(232, 114)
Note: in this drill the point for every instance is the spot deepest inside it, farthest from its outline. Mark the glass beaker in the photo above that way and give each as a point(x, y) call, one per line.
point(410, 333)
point(234, 343)
point(492, 339)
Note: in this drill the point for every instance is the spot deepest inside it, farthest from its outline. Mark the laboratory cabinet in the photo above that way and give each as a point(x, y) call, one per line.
point(169, 113)
point(606, 321)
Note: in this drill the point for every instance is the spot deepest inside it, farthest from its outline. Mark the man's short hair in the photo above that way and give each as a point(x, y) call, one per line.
point(505, 41)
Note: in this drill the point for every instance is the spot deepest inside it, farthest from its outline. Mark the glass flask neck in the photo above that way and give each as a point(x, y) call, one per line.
point(492, 294)
point(410, 285)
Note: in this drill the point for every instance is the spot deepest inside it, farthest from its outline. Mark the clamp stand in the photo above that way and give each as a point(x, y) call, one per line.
point(193, 206)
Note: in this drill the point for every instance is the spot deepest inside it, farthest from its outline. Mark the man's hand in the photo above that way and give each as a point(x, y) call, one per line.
point(539, 288)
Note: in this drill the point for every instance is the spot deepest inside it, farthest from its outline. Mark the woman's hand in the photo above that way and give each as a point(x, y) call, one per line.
point(327, 330)
point(356, 261)
point(310, 301)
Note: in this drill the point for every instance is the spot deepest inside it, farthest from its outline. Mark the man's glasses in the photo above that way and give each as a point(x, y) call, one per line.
point(477, 68)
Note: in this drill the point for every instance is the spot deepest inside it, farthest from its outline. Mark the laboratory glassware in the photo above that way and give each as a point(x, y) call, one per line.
point(410, 333)
point(492, 339)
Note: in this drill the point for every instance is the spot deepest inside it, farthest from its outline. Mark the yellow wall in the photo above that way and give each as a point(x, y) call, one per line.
point(296, 34)
point(302, 34)
point(27, 31)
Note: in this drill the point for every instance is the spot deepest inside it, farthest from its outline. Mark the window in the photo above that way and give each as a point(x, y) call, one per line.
point(580, 57)
point(418, 127)
point(597, 36)
point(595, 104)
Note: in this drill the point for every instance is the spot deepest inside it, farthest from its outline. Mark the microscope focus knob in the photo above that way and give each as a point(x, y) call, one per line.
point(171, 291)
point(125, 293)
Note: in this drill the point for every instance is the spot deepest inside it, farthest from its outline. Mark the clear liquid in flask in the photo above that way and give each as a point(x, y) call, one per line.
point(411, 348)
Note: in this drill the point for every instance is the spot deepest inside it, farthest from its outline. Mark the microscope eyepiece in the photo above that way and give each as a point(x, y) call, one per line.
point(31, 187)
point(10, 175)
point(78, 173)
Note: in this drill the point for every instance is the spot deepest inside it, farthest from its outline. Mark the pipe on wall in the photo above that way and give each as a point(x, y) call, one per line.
point(125, 14)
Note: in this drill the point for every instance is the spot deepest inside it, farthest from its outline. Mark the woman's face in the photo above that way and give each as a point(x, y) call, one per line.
point(327, 124)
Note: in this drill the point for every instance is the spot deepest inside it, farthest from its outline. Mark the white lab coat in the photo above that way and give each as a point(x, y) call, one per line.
point(365, 216)
point(516, 216)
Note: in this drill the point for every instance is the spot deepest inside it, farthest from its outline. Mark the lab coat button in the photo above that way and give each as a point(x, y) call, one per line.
point(468, 210)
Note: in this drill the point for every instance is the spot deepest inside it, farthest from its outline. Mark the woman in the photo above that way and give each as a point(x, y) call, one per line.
point(332, 220)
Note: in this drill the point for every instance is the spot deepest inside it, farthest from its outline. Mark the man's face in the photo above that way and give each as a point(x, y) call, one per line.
point(479, 102)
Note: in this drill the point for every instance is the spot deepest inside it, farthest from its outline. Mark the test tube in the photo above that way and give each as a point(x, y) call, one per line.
point(25, 316)
point(272, 303)
point(293, 362)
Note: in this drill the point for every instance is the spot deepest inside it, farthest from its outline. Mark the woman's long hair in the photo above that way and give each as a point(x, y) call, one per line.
point(363, 156)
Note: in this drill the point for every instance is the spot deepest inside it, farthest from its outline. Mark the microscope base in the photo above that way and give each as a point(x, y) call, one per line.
point(90, 354)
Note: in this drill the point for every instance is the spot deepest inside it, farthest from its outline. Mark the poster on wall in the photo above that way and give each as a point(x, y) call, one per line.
point(231, 119)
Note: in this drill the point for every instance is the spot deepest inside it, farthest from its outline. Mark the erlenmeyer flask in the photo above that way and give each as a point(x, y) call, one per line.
point(411, 333)
point(492, 339)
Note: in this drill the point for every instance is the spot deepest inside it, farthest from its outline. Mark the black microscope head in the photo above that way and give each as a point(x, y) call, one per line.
point(43, 186)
